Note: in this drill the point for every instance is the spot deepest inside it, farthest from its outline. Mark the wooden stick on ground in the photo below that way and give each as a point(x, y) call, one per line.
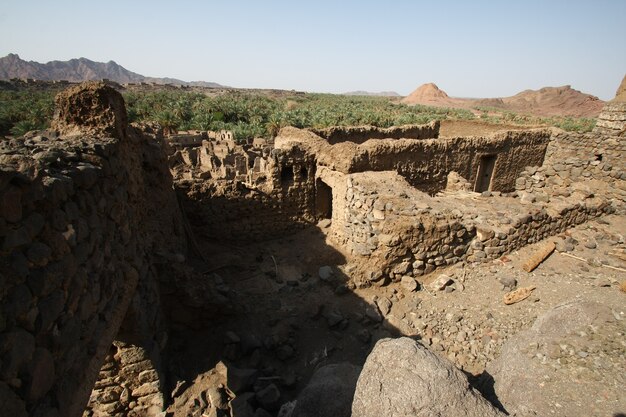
point(538, 257)
point(585, 260)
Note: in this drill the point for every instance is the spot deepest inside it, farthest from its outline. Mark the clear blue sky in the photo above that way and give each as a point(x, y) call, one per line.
point(468, 48)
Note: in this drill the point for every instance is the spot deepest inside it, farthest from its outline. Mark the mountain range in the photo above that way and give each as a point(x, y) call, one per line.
point(547, 101)
point(82, 69)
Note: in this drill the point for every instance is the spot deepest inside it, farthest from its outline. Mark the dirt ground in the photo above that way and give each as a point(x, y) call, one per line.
point(290, 317)
point(457, 128)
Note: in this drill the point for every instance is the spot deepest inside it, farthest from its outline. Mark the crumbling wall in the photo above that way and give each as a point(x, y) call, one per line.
point(390, 228)
point(233, 210)
point(393, 231)
point(77, 222)
point(360, 134)
point(426, 163)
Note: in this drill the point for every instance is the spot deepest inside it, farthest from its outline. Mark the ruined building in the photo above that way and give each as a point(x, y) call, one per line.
point(96, 231)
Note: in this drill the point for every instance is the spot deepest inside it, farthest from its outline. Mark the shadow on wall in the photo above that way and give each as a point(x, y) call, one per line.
point(284, 308)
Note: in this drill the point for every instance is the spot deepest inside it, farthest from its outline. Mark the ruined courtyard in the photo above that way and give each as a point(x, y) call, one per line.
point(191, 275)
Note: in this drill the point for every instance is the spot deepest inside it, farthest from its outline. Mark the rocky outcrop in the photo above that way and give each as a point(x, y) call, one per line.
point(401, 377)
point(569, 363)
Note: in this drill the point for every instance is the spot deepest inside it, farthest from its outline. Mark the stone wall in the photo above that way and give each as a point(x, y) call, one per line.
point(493, 242)
point(236, 211)
point(392, 230)
point(84, 209)
point(594, 159)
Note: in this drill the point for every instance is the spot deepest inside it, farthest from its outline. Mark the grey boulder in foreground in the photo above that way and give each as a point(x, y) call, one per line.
point(401, 377)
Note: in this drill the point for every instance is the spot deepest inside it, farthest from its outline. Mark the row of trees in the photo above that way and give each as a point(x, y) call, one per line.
point(251, 114)
point(25, 110)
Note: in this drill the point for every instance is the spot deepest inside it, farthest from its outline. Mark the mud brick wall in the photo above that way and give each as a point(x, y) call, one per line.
point(426, 163)
point(231, 210)
point(77, 214)
point(360, 134)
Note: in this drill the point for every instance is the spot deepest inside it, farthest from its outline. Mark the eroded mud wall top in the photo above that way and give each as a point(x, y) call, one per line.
point(360, 134)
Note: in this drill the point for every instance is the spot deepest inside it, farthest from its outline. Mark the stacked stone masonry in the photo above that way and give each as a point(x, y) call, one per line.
point(594, 159)
point(77, 224)
point(612, 120)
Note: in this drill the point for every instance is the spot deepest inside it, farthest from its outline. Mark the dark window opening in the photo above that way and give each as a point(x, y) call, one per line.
point(598, 157)
point(303, 173)
point(323, 200)
point(485, 173)
point(286, 174)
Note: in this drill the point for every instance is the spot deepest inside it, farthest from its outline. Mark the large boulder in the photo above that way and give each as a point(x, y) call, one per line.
point(329, 393)
point(571, 362)
point(401, 377)
point(92, 108)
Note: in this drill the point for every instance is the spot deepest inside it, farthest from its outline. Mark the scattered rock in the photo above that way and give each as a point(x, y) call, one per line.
point(409, 283)
point(269, 397)
point(329, 392)
point(440, 282)
point(589, 244)
point(326, 273)
point(10, 403)
point(509, 283)
point(238, 379)
point(384, 305)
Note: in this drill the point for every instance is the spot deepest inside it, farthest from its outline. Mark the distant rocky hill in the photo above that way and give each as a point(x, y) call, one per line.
point(428, 94)
point(81, 69)
point(368, 93)
point(548, 101)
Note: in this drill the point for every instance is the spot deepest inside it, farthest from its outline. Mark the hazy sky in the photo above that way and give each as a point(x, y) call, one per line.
point(468, 48)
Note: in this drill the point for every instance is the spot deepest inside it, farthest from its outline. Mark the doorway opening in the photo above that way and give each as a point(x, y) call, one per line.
point(323, 200)
point(485, 173)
